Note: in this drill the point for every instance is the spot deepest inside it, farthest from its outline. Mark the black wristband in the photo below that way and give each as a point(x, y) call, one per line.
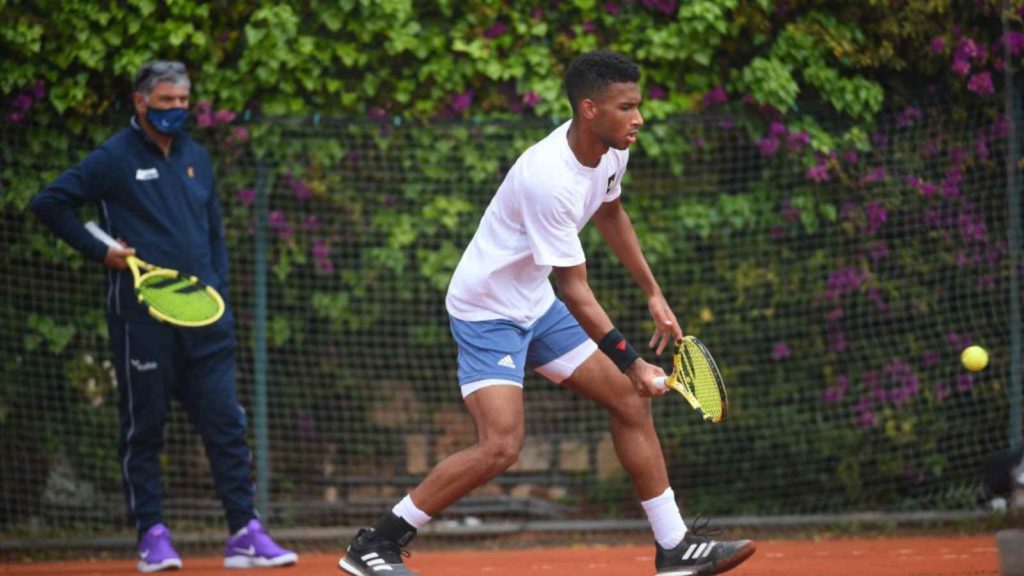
point(614, 345)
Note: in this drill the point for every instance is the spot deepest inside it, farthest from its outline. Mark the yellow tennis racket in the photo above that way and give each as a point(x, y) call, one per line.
point(169, 295)
point(696, 377)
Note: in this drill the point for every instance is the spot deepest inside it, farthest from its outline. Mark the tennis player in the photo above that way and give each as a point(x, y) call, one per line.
point(505, 317)
point(154, 187)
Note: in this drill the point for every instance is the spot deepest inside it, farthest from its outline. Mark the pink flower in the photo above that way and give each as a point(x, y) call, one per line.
point(797, 141)
point(241, 134)
point(38, 90)
point(460, 102)
point(768, 146)
point(496, 30)
point(876, 175)
point(715, 96)
point(656, 92)
point(961, 66)
point(223, 117)
point(1014, 41)
point(204, 114)
point(780, 351)
point(612, 7)
point(818, 173)
point(981, 84)
point(531, 99)
point(246, 196)
point(938, 44)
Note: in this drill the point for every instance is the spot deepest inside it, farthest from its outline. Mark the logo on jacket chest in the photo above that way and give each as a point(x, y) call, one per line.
point(143, 174)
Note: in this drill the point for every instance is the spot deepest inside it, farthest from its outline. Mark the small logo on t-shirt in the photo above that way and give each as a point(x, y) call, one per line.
point(611, 179)
point(191, 172)
point(507, 362)
point(146, 174)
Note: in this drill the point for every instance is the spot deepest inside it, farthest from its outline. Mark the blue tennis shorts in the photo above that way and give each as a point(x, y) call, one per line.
point(499, 351)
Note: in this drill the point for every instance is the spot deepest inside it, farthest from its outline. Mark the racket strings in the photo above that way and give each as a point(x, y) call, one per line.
point(701, 378)
point(180, 298)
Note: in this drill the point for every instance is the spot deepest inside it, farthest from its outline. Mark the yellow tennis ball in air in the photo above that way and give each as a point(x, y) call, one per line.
point(974, 358)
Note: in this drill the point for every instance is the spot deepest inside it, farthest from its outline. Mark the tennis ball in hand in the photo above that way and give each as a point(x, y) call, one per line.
point(974, 358)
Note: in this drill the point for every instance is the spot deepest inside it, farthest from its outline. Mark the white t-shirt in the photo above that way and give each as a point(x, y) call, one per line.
point(531, 225)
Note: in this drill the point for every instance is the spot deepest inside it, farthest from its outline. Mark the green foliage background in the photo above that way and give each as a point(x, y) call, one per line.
point(315, 92)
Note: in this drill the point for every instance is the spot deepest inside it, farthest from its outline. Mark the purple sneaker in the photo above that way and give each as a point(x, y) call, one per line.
point(156, 552)
point(252, 547)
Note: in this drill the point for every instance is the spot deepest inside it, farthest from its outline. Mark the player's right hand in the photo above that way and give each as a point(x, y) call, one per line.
point(642, 376)
point(116, 257)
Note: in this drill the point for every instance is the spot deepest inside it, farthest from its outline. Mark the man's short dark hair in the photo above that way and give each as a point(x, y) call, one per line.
point(590, 73)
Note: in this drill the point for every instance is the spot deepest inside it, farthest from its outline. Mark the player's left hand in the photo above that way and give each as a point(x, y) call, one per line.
point(666, 328)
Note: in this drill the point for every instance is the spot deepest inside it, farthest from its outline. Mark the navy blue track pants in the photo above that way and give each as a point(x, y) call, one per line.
point(156, 362)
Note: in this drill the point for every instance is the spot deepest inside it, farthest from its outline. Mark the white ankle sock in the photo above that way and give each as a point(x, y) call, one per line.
point(666, 521)
point(410, 513)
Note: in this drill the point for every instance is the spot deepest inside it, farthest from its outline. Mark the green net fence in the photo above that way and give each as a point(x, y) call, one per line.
point(836, 291)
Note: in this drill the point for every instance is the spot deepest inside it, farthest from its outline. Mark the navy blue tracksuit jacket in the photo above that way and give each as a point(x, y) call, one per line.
point(166, 208)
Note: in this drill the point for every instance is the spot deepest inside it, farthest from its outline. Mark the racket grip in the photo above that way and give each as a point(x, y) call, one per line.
point(100, 235)
point(661, 382)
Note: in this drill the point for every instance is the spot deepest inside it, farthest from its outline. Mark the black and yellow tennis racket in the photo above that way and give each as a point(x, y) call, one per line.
point(696, 377)
point(169, 295)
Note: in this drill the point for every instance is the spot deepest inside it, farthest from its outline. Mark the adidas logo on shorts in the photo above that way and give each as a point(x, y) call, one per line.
point(507, 362)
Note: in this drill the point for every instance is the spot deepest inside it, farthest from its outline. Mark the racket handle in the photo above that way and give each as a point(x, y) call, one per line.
point(661, 382)
point(100, 235)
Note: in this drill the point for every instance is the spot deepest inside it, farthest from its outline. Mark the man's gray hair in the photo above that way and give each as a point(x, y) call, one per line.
point(159, 72)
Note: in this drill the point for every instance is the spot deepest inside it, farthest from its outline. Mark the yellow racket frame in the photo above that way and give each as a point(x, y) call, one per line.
point(136, 264)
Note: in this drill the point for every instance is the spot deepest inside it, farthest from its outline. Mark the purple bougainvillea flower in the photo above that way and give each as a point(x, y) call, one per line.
point(612, 7)
point(876, 175)
point(876, 215)
point(777, 129)
point(310, 223)
point(938, 44)
point(496, 30)
point(780, 351)
point(818, 173)
point(715, 96)
point(866, 419)
point(38, 89)
point(879, 252)
point(981, 84)
point(768, 146)
point(656, 92)
point(300, 190)
point(1014, 41)
point(961, 66)
point(796, 141)
point(246, 196)
point(461, 101)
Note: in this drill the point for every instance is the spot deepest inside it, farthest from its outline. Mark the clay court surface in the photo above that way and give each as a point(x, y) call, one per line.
point(917, 556)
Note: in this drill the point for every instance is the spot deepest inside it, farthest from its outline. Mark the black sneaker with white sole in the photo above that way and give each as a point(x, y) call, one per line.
point(699, 554)
point(379, 551)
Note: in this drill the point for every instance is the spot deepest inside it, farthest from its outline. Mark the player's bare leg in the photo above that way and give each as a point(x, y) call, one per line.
point(632, 424)
point(498, 414)
point(685, 552)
